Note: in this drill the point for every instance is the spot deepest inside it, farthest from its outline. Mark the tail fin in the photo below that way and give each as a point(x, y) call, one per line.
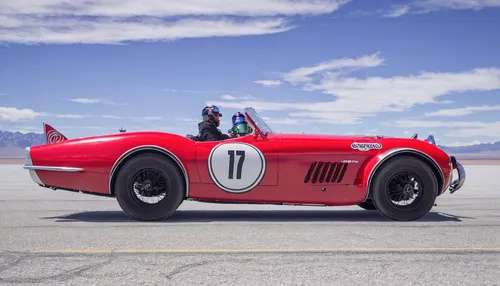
point(52, 135)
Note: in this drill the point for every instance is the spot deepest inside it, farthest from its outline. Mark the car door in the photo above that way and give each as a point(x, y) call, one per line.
point(238, 164)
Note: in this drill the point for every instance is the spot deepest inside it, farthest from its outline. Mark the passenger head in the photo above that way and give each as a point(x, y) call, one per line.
point(240, 125)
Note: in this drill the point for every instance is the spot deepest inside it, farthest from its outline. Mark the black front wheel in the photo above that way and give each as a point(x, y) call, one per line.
point(149, 187)
point(367, 205)
point(404, 189)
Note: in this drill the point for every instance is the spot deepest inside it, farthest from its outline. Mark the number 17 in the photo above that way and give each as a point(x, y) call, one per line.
point(231, 154)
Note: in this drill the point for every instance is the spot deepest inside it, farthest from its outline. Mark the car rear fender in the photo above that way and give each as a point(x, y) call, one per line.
point(147, 149)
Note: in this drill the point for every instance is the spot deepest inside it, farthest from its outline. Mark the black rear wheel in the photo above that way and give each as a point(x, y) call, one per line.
point(404, 189)
point(149, 187)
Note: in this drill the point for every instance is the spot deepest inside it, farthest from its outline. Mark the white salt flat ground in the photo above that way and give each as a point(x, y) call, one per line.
point(34, 218)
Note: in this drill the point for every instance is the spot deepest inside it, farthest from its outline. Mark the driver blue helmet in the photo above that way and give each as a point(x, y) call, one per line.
point(211, 113)
point(240, 125)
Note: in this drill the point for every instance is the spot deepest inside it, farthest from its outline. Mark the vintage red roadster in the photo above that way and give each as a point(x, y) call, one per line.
point(152, 173)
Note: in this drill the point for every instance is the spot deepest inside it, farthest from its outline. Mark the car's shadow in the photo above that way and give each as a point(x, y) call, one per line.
point(252, 215)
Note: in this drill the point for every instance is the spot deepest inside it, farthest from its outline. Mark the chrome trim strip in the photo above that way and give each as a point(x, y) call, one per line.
point(29, 162)
point(51, 168)
point(150, 147)
point(388, 154)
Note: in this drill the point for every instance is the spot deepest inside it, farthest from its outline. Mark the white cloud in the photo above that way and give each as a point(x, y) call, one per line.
point(459, 143)
point(339, 118)
point(458, 128)
point(85, 100)
point(258, 105)
point(354, 98)
point(434, 124)
point(71, 116)
point(70, 128)
point(148, 118)
point(188, 120)
point(111, 21)
point(111, 117)
point(303, 74)
point(49, 31)
point(397, 11)
point(21, 129)
point(489, 129)
point(432, 5)
point(13, 114)
point(311, 112)
point(160, 8)
point(193, 91)
point(428, 6)
point(463, 111)
point(399, 93)
point(227, 97)
point(296, 119)
point(269, 83)
point(92, 101)
point(231, 97)
point(282, 121)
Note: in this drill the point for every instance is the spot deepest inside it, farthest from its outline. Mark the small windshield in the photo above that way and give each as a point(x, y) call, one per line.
point(252, 114)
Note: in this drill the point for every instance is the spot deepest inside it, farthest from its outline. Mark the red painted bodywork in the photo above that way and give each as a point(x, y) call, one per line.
point(288, 158)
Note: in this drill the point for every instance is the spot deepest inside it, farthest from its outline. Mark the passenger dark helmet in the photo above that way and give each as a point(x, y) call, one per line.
point(238, 117)
point(240, 125)
point(211, 113)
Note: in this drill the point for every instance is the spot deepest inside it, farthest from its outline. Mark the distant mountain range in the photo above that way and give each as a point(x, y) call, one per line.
point(476, 148)
point(12, 145)
point(476, 151)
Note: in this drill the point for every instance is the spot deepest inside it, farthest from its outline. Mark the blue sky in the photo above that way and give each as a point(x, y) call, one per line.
point(333, 67)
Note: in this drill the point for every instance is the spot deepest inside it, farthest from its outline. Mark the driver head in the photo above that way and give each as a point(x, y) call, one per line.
point(211, 113)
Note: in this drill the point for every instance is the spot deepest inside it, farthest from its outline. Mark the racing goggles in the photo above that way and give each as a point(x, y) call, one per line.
point(216, 112)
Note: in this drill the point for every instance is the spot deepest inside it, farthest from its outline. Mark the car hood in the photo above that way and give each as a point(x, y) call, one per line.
point(291, 136)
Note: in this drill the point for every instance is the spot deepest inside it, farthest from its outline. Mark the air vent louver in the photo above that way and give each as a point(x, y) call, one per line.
point(326, 172)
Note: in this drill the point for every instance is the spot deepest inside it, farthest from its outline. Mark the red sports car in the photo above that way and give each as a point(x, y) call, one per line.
point(152, 173)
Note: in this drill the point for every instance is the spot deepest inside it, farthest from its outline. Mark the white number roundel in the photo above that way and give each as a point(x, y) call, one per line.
point(236, 167)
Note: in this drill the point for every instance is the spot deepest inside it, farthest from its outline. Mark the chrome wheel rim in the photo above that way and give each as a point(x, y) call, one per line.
point(149, 186)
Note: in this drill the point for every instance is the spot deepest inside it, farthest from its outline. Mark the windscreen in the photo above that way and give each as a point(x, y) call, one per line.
point(257, 120)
